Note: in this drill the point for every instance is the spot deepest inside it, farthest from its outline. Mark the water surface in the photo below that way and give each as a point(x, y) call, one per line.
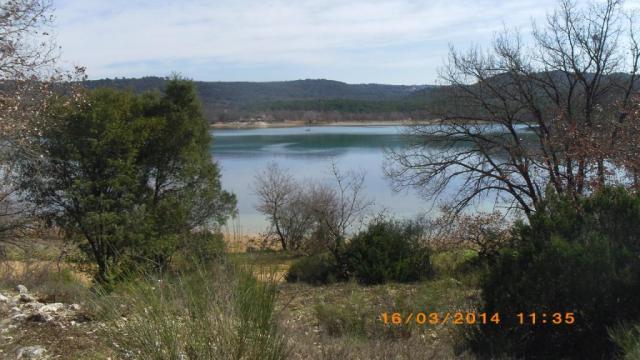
point(307, 153)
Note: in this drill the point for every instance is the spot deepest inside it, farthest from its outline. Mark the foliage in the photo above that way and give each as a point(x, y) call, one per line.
point(582, 260)
point(286, 204)
point(350, 319)
point(225, 314)
point(52, 282)
point(516, 118)
point(482, 232)
point(627, 338)
point(292, 100)
point(386, 251)
point(345, 105)
point(30, 81)
point(389, 251)
point(315, 269)
point(204, 247)
point(129, 176)
point(313, 216)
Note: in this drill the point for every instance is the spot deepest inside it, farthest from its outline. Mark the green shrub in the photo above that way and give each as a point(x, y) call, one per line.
point(357, 315)
point(583, 260)
point(204, 247)
point(342, 320)
point(389, 251)
point(48, 281)
point(315, 269)
point(205, 314)
point(627, 338)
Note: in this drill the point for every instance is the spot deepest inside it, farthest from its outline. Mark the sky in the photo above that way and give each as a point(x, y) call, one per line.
point(355, 41)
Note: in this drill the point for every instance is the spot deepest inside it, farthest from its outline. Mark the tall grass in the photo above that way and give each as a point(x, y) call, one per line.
point(220, 313)
point(52, 283)
point(627, 338)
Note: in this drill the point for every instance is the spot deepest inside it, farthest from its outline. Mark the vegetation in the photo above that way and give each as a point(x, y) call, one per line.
point(124, 184)
point(315, 269)
point(345, 106)
point(385, 251)
point(389, 251)
point(313, 216)
point(286, 204)
point(581, 261)
point(293, 100)
point(224, 314)
point(627, 338)
point(29, 83)
point(520, 117)
point(129, 177)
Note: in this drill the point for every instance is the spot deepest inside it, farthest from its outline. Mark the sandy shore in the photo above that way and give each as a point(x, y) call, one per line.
point(296, 123)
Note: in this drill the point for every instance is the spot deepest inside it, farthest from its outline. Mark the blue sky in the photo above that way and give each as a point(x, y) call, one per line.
point(356, 41)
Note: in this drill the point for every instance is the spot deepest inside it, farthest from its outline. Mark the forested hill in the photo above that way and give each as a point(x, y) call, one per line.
point(311, 100)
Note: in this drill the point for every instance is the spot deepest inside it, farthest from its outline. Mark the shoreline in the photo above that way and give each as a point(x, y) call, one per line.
point(300, 123)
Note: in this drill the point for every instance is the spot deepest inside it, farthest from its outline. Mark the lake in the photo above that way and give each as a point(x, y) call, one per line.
point(307, 153)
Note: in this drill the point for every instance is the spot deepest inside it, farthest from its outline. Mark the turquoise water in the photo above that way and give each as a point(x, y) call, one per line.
point(307, 153)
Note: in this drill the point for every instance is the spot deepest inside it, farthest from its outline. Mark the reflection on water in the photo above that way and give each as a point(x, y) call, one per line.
point(306, 152)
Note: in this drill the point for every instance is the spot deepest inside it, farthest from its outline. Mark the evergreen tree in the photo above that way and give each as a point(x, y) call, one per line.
point(129, 177)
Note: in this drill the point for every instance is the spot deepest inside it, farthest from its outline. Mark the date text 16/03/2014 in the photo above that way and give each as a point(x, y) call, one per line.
point(473, 318)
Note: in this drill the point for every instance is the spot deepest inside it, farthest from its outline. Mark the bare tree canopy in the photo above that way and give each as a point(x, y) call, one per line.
point(312, 216)
point(284, 202)
point(29, 83)
point(522, 119)
point(24, 45)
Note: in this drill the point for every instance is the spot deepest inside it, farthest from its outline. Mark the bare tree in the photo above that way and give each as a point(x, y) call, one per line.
point(338, 208)
point(30, 82)
point(284, 202)
point(520, 120)
point(484, 232)
point(317, 216)
point(27, 57)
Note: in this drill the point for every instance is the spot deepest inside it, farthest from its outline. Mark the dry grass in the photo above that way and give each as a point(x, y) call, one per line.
point(266, 264)
point(217, 313)
point(80, 341)
point(342, 321)
point(338, 321)
point(32, 271)
point(50, 281)
point(238, 242)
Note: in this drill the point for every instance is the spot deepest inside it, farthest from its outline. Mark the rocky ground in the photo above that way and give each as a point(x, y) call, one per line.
point(31, 328)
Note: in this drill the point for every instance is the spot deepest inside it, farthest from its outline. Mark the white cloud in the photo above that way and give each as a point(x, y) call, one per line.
point(115, 38)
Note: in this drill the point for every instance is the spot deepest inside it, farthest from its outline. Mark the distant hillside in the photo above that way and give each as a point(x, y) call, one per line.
point(299, 99)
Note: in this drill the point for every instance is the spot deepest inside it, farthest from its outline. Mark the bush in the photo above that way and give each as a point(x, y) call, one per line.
point(204, 247)
point(389, 251)
point(222, 314)
point(315, 269)
point(627, 338)
point(127, 176)
point(342, 320)
point(581, 260)
point(48, 281)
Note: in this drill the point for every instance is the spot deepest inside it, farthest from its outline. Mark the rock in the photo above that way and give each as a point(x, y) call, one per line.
point(15, 310)
point(4, 299)
point(24, 297)
point(34, 305)
point(18, 317)
point(74, 307)
point(32, 352)
point(54, 307)
point(40, 317)
point(22, 289)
